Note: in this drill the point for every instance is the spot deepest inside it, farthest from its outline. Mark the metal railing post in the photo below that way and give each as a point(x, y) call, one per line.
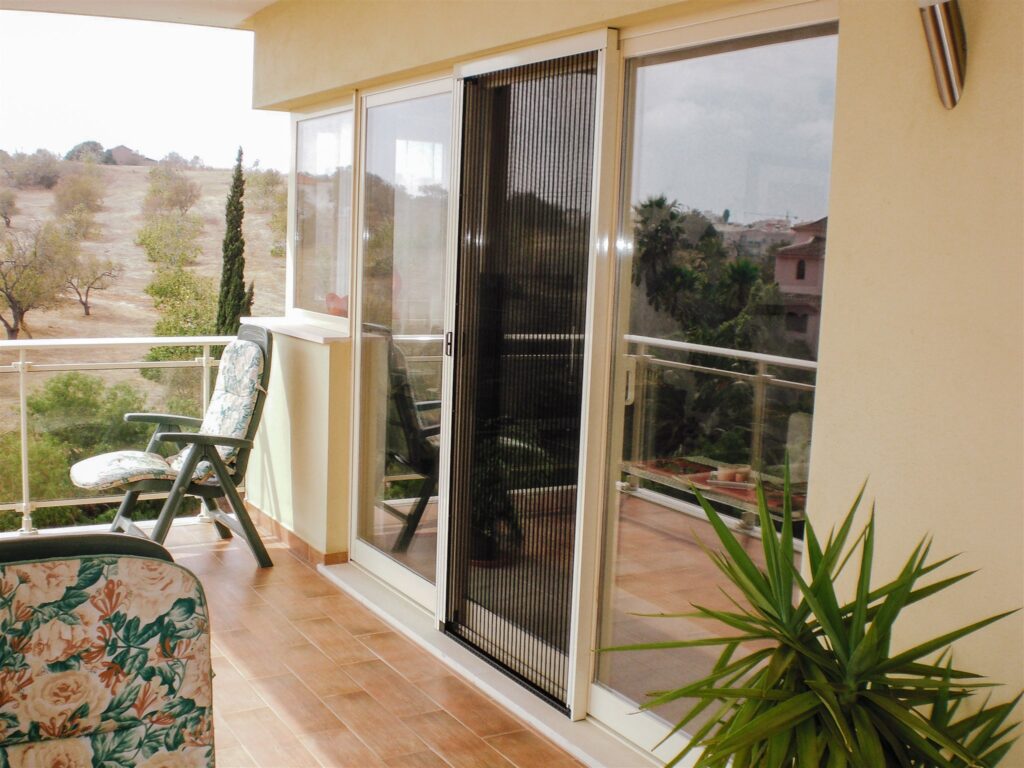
point(760, 405)
point(638, 446)
point(26, 492)
point(207, 364)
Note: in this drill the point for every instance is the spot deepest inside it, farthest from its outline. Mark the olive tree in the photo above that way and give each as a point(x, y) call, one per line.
point(33, 270)
point(169, 191)
point(40, 169)
point(8, 205)
point(81, 187)
point(89, 273)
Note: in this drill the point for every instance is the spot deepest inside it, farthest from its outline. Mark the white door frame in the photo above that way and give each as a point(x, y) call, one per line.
point(361, 552)
point(749, 19)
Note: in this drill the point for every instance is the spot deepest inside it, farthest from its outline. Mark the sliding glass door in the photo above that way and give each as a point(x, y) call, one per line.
point(723, 232)
point(406, 152)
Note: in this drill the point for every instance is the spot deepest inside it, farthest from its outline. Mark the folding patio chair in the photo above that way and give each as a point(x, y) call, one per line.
point(210, 463)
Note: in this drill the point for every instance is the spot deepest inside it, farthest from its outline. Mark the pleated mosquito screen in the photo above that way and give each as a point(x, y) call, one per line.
point(527, 167)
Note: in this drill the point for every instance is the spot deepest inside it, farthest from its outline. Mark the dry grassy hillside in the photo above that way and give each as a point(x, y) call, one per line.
point(124, 309)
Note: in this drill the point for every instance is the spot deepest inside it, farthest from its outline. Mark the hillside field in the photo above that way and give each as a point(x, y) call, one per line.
point(124, 309)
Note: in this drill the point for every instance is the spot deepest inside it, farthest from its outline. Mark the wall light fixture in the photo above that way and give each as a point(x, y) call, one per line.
point(947, 44)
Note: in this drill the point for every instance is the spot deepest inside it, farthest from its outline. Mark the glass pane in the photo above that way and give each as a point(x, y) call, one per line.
point(323, 213)
point(408, 158)
point(10, 445)
point(724, 244)
point(73, 415)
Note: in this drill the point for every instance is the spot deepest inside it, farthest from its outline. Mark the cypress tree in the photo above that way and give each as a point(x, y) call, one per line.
point(234, 300)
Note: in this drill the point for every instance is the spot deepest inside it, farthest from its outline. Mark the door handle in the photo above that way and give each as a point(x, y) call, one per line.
point(629, 369)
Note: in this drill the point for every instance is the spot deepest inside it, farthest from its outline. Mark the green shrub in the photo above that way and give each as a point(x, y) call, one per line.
point(171, 239)
point(85, 415)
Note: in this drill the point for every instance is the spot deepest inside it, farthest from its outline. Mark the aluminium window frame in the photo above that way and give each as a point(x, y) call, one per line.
point(362, 553)
point(701, 30)
point(293, 312)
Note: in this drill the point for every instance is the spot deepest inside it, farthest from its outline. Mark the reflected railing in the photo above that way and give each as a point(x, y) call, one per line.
point(62, 400)
point(717, 420)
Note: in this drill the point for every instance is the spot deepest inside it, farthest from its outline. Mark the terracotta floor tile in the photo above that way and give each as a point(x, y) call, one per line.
point(289, 600)
point(234, 757)
point(419, 760)
point(250, 653)
point(320, 673)
point(526, 749)
point(389, 689)
point(375, 726)
point(223, 736)
point(233, 692)
point(268, 740)
point(334, 641)
point(411, 662)
point(297, 706)
point(272, 626)
point(351, 615)
point(301, 666)
point(340, 749)
point(469, 706)
point(459, 746)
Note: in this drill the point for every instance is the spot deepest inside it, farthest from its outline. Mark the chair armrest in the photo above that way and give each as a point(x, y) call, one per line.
point(195, 438)
point(428, 405)
point(163, 418)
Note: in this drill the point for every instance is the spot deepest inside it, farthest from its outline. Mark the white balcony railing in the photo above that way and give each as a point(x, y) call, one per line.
point(767, 419)
point(28, 359)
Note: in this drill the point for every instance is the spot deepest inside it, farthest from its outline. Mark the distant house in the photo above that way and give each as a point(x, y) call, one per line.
point(799, 271)
point(122, 155)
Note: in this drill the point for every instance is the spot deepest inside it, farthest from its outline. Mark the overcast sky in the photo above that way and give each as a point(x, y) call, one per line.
point(154, 87)
point(747, 130)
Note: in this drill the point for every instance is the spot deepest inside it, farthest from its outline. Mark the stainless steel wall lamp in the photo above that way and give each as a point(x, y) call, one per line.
point(947, 44)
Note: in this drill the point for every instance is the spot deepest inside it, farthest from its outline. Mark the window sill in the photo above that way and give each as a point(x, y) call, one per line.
point(306, 330)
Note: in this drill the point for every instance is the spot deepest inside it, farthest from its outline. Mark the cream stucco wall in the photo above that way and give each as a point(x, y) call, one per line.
point(299, 467)
point(309, 51)
point(921, 383)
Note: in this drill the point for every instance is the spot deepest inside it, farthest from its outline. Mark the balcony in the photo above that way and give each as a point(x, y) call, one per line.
point(304, 670)
point(305, 674)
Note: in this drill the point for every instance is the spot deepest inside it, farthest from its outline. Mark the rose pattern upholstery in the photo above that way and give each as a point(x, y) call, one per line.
point(104, 663)
point(229, 413)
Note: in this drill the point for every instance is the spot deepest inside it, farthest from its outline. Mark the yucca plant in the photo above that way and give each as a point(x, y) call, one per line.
point(807, 681)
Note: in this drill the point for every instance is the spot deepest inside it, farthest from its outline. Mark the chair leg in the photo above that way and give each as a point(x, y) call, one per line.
point(176, 495)
point(222, 530)
point(413, 520)
point(248, 530)
point(124, 512)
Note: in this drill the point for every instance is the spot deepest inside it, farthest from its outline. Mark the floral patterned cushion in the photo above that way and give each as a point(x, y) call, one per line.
point(111, 470)
point(104, 661)
point(234, 395)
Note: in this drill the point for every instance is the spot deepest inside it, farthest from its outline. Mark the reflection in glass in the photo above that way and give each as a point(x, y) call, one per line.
point(405, 216)
point(323, 213)
point(725, 227)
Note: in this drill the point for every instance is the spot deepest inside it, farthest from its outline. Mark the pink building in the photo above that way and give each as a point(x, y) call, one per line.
point(799, 271)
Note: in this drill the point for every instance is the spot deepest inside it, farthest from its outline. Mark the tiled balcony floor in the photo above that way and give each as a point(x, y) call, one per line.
point(306, 676)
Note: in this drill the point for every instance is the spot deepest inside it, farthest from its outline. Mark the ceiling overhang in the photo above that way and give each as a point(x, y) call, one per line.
point(229, 14)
